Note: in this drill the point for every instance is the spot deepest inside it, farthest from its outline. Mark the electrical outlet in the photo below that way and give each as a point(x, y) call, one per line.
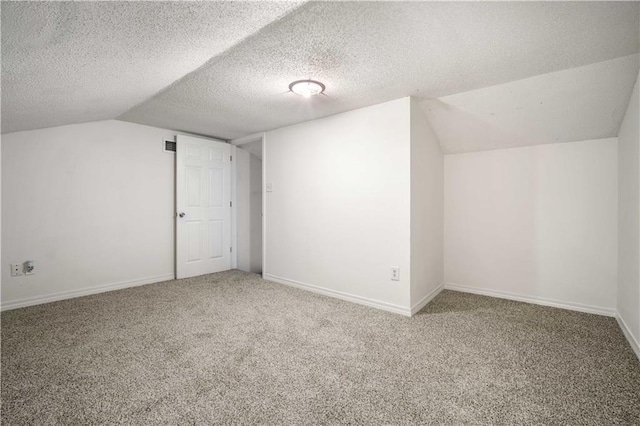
point(269, 187)
point(395, 273)
point(16, 269)
point(28, 267)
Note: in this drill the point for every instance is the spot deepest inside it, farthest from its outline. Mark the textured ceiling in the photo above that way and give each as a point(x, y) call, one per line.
point(71, 62)
point(365, 53)
point(587, 102)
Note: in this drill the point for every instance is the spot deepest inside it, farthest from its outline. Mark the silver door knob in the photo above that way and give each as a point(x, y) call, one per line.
point(181, 214)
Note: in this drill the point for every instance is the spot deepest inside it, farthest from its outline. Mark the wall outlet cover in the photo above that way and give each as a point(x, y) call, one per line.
point(16, 269)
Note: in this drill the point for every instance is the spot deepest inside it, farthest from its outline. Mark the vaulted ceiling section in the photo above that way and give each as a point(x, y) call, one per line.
point(488, 74)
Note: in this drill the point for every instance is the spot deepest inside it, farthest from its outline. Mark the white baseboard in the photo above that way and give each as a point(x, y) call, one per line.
point(341, 295)
point(635, 345)
point(534, 299)
point(70, 294)
point(428, 298)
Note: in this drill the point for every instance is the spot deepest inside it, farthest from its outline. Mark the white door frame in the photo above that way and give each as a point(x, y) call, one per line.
point(234, 211)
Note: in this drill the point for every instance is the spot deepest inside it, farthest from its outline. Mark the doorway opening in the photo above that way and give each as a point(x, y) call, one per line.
point(249, 198)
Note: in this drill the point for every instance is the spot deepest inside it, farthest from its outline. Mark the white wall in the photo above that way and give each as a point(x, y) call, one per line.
point(255, 214)
point(339, 214)
point(629, 221)
point(92, 204)
point(427, 208)
point(243, 209)
point(535, 222)
point(1, 288)
point(249, 211)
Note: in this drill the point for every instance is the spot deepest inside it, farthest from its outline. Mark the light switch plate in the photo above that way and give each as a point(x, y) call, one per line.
point(395, 273)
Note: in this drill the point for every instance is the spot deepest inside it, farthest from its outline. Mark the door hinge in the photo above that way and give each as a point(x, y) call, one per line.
point(230, 249)
point(231, 158)
point(230, 203)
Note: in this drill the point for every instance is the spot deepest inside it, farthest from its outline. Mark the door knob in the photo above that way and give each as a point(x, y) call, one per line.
point(181, 214)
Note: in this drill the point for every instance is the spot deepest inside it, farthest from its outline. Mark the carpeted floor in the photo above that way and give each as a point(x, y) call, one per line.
point(230, 348)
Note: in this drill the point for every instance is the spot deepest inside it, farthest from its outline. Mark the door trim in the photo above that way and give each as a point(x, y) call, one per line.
point(234, 211)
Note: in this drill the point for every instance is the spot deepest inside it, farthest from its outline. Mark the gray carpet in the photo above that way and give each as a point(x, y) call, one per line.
point(230, 348)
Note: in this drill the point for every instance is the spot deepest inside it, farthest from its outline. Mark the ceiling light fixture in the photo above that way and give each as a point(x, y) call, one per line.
point(307, 88)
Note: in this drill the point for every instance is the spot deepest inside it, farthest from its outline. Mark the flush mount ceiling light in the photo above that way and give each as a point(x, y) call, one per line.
point(306, 88)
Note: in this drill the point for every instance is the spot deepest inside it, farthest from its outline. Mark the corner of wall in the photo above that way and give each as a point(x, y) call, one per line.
point(427, 210)
point(628, 285)
point(633, 341)
point(337, 217)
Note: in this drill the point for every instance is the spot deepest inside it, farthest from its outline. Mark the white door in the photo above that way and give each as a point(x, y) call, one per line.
point(203, 201)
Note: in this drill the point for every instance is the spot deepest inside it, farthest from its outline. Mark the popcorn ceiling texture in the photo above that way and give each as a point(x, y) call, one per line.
point(102, 61)
point(231, 348)
point(372, 52)
point(72, 62)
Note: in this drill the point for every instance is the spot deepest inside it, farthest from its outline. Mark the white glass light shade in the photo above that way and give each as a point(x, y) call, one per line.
point(306, 88)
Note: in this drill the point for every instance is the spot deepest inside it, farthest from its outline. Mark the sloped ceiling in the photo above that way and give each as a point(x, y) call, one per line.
point(587, 102)
point(365, 53)
point(71, 62)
